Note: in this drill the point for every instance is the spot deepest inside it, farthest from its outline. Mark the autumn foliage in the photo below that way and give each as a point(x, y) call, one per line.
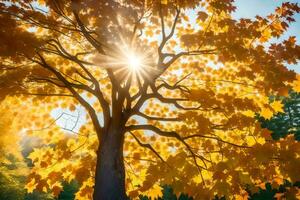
point(130, 95)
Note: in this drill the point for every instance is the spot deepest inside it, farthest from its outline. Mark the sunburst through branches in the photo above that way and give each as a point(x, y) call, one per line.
point(133, 63)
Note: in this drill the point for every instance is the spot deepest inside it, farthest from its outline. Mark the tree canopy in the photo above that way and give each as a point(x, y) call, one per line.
point(167, 90)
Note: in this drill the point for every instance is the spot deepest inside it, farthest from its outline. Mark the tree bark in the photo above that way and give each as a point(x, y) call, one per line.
point(110, 171)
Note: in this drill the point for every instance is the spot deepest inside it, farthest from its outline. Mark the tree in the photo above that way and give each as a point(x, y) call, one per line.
point(154, 81)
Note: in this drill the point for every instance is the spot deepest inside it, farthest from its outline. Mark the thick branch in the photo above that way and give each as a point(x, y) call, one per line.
point(154, 129)
point(174, 119)
point(97, 92)
point(70, 87)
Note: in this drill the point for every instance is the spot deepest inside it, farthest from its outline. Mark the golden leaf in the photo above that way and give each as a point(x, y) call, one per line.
point(266, 113)
point(296, 84)
point(277, 106)
point(30, 186)
point(265, 36)
point(164, 2)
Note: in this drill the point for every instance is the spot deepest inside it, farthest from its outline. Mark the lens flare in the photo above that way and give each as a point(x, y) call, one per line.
point(134, 62)
point(129, 62)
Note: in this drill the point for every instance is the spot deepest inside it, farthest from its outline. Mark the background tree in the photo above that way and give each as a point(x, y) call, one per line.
point(13, 168)
point(287, 122)
point(154, 83)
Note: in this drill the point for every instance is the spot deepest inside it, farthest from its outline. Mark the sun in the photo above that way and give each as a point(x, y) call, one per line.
point(130, 63)
point(134, 61)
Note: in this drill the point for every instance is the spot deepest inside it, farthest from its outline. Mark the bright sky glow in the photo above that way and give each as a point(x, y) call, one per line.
point(134, 61)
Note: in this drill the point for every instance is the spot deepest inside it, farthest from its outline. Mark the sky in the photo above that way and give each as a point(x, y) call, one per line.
point(251, 8)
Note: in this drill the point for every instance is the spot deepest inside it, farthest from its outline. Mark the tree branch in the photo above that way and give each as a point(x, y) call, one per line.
point(70, 87)
point(148, 146)
point(171, 134)
point(96, 44)
point(97, 92)
point(214, 138)
point(174, 119)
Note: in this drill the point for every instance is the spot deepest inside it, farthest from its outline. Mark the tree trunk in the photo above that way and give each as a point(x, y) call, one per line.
point(110, 171)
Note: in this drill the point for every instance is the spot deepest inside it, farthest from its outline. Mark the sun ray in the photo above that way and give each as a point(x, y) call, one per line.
point(130, 60)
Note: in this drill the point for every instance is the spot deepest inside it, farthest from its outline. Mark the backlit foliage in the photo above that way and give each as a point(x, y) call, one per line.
point(188, 113)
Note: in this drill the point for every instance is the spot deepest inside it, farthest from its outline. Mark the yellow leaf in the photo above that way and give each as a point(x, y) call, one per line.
point(249, 113)
point(277, 106)
point(240, 197)
point(149, 33)
point(72, 107)
point(86, 190)
point(30, 186)
point(202, 16)
point(165, 2)
point(265, 35)
point(277, 25)
point(155, 191)
point(266, 113)
point(296, 84)
point(185, 18)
